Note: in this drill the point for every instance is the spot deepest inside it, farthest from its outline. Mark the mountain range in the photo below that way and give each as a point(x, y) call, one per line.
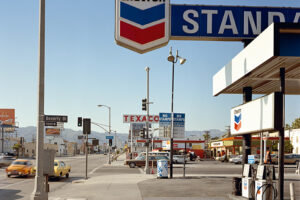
point(29, 134)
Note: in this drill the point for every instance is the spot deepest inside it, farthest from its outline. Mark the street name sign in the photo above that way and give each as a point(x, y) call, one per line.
point(55, 118)
point(140, 118)
point(109, 137)
point(50, 123)
point(255, 116)
point(143, 26)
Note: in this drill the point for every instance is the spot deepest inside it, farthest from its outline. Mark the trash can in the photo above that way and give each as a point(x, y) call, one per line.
point(236, 186)
point(162, 169)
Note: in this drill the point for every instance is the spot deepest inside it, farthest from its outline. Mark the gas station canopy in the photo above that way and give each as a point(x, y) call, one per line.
point(258, 65)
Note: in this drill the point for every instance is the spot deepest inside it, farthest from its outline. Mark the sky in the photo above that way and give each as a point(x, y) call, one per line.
point(85, 67)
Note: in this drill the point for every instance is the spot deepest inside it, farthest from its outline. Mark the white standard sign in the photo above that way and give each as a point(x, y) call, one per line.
point(254, 117)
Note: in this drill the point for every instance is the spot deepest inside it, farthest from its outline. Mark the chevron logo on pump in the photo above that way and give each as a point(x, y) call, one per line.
point(142, 25)
point(237, 119)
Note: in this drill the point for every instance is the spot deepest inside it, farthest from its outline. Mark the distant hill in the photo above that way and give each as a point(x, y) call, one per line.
point(29, 133)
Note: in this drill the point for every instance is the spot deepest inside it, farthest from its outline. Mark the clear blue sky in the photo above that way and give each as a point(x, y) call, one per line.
point(85, 67)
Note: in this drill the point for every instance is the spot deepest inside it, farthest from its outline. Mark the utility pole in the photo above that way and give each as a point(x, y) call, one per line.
point(39, 192)
point(147, 169)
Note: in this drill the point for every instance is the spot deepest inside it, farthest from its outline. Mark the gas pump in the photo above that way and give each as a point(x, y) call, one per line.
point(247, 181)
point(265, 184)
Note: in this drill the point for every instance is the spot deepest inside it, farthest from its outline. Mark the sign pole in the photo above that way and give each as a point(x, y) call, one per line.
point(172, 125)
point(247, 96)
point(147, 170)
point(39, 192)
point(2, 140)
point(281, 117)
point(86, 155)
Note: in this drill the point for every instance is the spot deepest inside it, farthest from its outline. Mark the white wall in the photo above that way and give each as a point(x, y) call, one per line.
point(295, 140)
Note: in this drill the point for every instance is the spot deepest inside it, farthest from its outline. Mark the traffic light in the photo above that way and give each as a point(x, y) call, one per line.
point(86, 126)
point(110, 142)
point(79, 121)
point(143, 133)
point(144, 104)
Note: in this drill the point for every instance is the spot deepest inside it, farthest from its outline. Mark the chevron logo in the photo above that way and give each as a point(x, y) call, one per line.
point(142, 25)
point(237, 119)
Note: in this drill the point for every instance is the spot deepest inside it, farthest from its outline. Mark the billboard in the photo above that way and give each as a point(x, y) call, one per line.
point(52, 131)
point(165, 125)
point(166, 145)
point(7, 116)
point(255, 116)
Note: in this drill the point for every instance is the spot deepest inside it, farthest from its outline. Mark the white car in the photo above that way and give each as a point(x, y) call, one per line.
point(236, 159)
point(179, 159)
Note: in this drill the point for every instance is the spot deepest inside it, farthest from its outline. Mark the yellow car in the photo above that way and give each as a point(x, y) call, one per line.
point(61, 169)
point(19, 167)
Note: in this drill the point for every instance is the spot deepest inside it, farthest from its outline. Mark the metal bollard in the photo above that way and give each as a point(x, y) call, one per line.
point(292, 191)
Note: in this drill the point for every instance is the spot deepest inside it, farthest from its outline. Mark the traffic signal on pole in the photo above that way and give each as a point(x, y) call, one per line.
point(142, 133)
point(86, 126)
point(144, 104)
point(79, 121)
point(110, 142)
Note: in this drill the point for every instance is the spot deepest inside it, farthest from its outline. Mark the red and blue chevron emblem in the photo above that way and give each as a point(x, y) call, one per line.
point(142, 25)
point(237, 121)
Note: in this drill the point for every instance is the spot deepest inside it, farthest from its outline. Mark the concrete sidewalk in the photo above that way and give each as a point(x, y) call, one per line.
point(118, 181)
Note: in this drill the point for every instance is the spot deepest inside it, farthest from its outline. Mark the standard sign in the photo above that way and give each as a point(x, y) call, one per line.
point(178, 123)
point(56, 118)
point(140, 118)
point(198, 22)
point(144, 25)
point(255, 116)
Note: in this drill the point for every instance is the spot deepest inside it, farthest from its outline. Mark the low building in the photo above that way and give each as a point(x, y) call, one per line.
point(8, 144)
point(30, 148)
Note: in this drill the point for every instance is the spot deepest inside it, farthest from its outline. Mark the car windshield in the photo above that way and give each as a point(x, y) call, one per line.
point(19, 163)
point(140, 158)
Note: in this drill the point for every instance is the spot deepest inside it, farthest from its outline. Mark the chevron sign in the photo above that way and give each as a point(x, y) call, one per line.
point(142, 25)
point(237, 119)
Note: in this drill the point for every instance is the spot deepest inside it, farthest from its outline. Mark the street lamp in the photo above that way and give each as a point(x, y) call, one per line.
point(109, 109)
point(173, 60)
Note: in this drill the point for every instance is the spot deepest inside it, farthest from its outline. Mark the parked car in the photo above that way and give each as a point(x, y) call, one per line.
point(221, 158)
point(19, 167)
point(179, 159)
point(140, 161)
point(236, 160)
point(288, 159)
point(6, 160)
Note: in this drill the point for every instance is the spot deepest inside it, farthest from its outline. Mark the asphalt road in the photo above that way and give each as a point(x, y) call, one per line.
point(21, 188)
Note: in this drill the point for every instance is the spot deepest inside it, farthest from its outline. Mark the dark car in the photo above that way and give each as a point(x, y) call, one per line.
point(140, 161)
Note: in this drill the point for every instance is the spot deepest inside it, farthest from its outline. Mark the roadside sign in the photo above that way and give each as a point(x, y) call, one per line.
point(55, 118)
point(109, 137)
point(251, 159)
point(255, 116)
point(165, 125)
point(50, 123)
point(142, 25)
point(52, 131)
point(226, 23)
point(140, 118)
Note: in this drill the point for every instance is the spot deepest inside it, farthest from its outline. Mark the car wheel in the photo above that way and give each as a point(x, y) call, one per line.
point(297, 163)
point(132, 165)
point(67, 175)
point(8, 175)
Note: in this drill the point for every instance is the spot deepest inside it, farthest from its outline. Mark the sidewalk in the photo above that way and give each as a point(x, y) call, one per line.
point(118, 181)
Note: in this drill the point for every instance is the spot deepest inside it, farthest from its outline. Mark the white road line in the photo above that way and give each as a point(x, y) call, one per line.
point(95, 169)
point(142, 171)
point(14, 184)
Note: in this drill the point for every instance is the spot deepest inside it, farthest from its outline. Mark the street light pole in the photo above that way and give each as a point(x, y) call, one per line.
point(174, 60)
point(109, 129)
point(147, 169)
point(39, 192)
